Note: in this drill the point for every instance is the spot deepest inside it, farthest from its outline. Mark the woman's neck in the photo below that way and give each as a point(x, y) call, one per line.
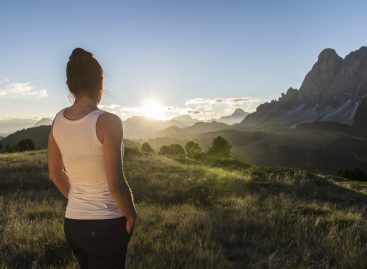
point(84, 103)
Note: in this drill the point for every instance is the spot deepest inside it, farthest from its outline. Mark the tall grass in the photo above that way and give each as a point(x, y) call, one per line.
point(193, 216)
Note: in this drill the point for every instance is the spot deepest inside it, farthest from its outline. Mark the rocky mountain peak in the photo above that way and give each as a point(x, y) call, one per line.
point(331, 91)
point(318, 80)
point(327, 54)
point(238, 112)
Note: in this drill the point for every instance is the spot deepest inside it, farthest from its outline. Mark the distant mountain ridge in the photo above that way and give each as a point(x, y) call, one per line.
point(39, 136)
point(236, 117)
point(44, 121)
point(198, 127)
point(331, 91)
point(141, 127)
point(11, 125)
point(186, 119)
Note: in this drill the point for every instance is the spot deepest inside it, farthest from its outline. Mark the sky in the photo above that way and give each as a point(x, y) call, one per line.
point(167, 58)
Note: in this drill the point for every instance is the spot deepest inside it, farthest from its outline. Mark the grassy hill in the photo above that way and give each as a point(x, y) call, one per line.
point(225, 215)
point(318, 147)
point(39, 136)
point(322, 148)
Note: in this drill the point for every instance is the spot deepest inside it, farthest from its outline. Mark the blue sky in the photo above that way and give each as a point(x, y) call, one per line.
point(184, 54)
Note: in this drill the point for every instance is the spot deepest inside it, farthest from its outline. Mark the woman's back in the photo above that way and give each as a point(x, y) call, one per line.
point(85, 161)
point(82, 154)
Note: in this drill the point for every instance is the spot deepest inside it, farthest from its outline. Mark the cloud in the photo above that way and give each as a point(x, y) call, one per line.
point(208, 108)
point(200, 108)
point(3, 93)
point(21, 89)
point(233, 101)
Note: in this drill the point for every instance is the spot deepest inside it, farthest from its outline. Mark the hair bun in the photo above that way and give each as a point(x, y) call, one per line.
point(80, 54)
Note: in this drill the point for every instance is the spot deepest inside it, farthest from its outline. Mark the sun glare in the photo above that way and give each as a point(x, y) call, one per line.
point(152, 108)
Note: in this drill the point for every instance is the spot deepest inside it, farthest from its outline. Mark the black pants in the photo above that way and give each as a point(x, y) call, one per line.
point(98, 243)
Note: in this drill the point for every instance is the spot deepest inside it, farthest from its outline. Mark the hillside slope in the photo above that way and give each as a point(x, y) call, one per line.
point(194, 216)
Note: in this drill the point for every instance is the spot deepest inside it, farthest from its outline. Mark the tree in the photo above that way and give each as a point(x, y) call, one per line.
point(177, 149)
point(26, 144)
point(165, 150)
point(11, 148)
point(134, 151)
point(146, 148)
point(193, 150)
point(220, 148)
point(1, 146)
point(172, 150)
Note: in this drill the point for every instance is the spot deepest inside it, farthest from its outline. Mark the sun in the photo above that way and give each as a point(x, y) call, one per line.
point(153, 109)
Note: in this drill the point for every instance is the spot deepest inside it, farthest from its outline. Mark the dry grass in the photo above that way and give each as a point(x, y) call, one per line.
point(193, 216)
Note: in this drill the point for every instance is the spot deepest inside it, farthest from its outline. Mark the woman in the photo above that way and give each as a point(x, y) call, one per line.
point(85, 154)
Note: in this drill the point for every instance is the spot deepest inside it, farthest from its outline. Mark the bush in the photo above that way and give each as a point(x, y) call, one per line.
point(26, 144)
point(11, 148)
point(177, 149)
point(165, 150)
point(172, 150)
point(193, 150)
point(146, 148)
point(132, 152)
point(220, 149)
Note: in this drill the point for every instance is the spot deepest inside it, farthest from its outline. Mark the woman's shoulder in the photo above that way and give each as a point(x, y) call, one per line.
point(108, 116)
point(59, 112)
point(108, 119)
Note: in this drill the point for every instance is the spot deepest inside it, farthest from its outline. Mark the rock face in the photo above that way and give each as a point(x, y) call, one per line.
point(332, 91)
point(360, 118)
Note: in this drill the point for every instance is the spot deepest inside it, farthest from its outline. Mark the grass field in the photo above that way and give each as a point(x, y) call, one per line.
point(194, 216)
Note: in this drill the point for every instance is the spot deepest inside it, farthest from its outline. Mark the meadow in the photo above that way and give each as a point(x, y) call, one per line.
point(194, 215)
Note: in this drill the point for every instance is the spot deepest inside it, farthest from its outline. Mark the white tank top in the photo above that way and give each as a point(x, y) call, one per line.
point(82, 155)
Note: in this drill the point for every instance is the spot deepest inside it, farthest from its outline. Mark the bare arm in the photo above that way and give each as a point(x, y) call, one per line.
point(118, 186)
point(56, 172)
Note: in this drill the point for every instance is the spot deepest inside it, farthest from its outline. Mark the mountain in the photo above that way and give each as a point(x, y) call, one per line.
point(360, 118)
point(136, 127)
point(10, 125)
point(197, 128)
point(44, 121)
point(140, 127)
point(332, 91)
point(236, 117)
point(319, 146)
point(39, 136)
point(186, 119)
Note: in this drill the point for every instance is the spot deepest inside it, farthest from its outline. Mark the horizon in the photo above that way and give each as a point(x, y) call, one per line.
point(165, 59)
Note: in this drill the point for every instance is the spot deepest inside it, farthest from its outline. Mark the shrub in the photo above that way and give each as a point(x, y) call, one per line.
point(193, 150)
point(177, 149)
point(165, 150)
point(132, 152)
point(172, 150)
point(220, 149)
point(146, 148)
point(11, 148)
point(26, 144)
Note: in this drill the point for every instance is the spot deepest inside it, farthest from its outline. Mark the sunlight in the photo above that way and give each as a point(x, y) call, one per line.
point(152, 108)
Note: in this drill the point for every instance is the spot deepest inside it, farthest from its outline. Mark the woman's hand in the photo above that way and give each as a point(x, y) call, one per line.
point(130, 223)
